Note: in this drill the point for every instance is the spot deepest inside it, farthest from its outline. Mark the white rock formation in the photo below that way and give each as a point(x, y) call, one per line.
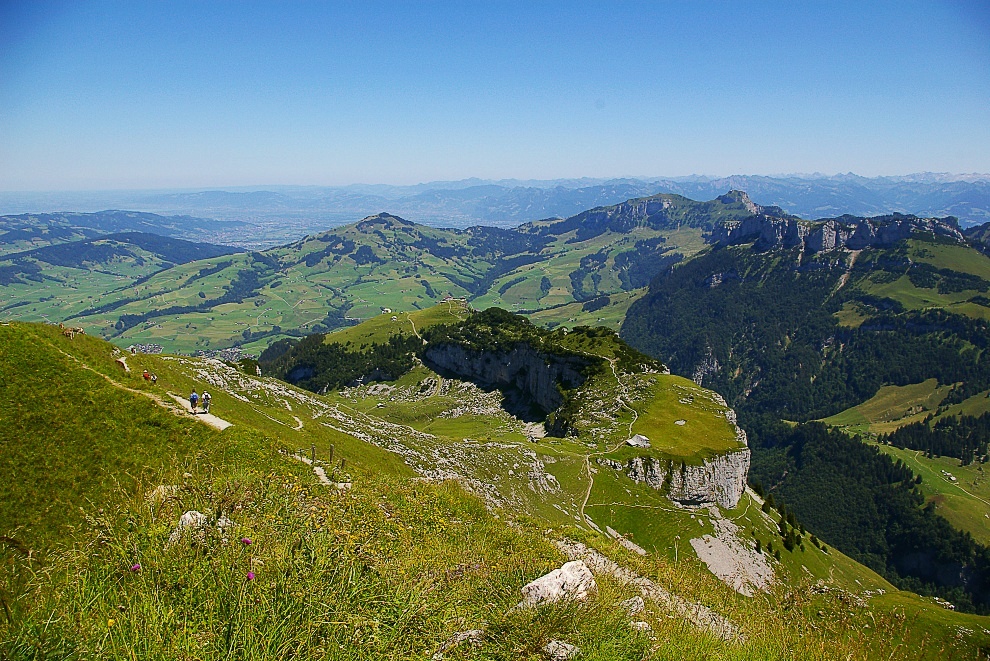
point(732, 560)
point(697, 614)
point(572, 581)
point(720, 480)
point(193, 523)
point(189, 522)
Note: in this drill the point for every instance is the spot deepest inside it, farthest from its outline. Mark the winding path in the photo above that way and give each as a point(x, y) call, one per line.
point(205, 418)
point(620, 398)
point(917, 454)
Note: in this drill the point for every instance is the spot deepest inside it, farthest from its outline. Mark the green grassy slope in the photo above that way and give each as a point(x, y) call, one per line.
point(964, 501)
point(69, 434)
point(387, 570)
point(891, 407)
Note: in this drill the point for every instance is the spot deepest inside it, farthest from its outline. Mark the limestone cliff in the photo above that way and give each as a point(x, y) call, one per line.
point(720, 480)
point(537, 375)
point(768, 232)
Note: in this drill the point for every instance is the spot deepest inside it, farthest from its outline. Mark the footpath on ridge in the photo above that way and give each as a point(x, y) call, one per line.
point(206, 418)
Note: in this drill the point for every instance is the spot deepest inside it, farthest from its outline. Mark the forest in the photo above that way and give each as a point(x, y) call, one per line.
point(963, 437)
point(870, 508)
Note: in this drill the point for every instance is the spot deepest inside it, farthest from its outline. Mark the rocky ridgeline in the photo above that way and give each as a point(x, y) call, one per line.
point(632, 212)
point(768, 231)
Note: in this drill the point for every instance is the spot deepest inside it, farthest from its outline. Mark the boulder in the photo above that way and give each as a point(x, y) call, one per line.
point(572, 581)
point(193, 523)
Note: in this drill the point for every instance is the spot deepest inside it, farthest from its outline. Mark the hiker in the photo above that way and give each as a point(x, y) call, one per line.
point(146, 375)
point(206, 402)
point(193, 400)
point(154, 379)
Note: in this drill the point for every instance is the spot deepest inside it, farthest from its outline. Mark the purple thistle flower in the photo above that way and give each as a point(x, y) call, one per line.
point(136, 566)
point(250, 576)
point(245, 541)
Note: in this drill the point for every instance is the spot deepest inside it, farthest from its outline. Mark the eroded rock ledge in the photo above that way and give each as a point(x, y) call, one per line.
point(719, 481)
point(537, 375)
point(769, 232)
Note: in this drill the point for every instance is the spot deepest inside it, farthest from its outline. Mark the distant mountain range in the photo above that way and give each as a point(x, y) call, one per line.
point(285, 213)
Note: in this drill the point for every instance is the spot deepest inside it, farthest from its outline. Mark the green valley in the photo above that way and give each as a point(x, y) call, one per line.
point(560, 271)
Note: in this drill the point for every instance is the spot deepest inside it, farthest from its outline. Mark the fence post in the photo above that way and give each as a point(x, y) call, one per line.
point(331, 455)
point(312, 450)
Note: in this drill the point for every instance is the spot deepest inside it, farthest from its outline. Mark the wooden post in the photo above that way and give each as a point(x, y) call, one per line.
point(331, 455)
point(312, 451)
point(342, 464)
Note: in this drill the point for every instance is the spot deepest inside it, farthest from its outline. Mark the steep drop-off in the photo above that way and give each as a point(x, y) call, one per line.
point(527, 376)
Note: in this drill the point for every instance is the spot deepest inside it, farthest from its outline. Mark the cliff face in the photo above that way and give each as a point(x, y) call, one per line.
point(523, 369)
point(720, 480)
point(769, 232)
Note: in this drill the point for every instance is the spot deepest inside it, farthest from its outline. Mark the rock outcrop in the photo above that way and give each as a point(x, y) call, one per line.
point(537, 375)
point(717, 481)
point(768, 232)
point(697, 614)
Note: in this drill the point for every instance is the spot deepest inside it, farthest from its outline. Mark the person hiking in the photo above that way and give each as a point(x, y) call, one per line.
point(193, 400)
point(206, 402)
point(146, 375)
point(154, 379)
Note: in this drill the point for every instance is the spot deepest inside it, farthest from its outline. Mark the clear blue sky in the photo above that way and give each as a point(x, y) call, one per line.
point(189, 94)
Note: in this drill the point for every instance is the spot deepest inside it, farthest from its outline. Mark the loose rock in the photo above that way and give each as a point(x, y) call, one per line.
point(572, 581)
point(474, 636)
point(558, 650)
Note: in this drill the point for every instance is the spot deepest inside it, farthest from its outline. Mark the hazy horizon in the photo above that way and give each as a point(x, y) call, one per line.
point(508, 182)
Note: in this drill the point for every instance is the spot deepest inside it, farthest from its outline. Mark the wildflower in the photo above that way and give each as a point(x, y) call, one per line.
point(110, 623)
point(136, 567)
point(245, 541)
point(250, 576)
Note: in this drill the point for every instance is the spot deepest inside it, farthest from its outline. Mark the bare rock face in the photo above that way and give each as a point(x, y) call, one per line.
point(769, 232)
point(572, 581)
point(717, 481)
point(708, 366)
point(537, 375)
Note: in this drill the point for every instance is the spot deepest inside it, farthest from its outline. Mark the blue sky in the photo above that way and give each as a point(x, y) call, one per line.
point(101, 95)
